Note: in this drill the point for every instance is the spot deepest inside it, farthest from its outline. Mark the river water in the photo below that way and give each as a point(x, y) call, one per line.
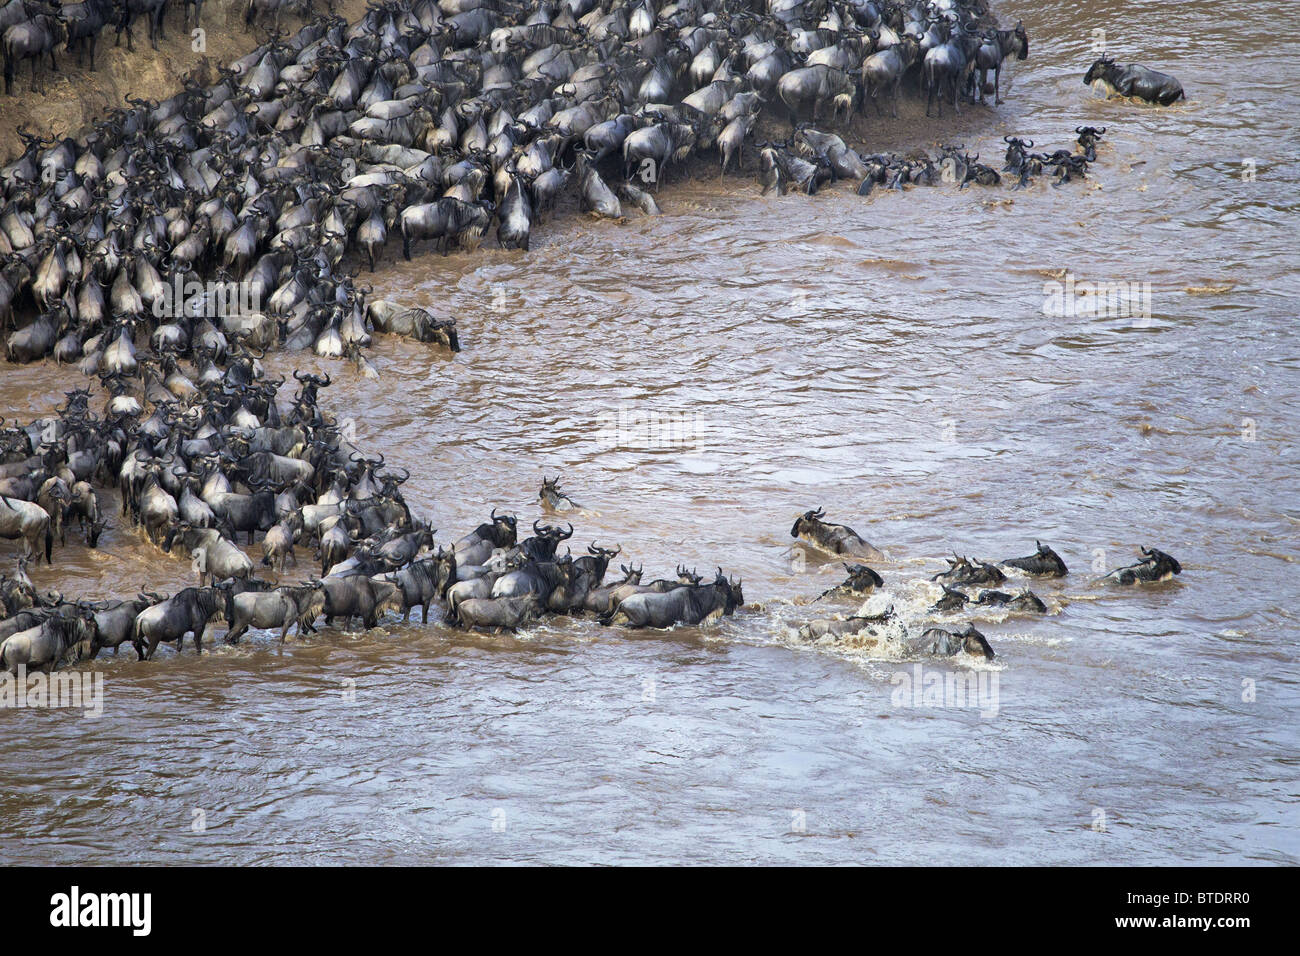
point(888, 359)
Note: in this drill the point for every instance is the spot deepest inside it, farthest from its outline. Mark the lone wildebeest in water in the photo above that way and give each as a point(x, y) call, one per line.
point(1133, 80)
point(1154, 566)
point(834, 538)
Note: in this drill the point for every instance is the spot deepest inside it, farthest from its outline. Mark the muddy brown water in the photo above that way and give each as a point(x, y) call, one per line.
point(888, 359)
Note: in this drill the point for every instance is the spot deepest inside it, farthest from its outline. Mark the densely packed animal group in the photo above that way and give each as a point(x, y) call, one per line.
point(435, 120)
point(225, 461)
point(871, 629)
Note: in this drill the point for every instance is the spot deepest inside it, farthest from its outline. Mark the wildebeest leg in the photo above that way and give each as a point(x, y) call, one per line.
point(997, 84)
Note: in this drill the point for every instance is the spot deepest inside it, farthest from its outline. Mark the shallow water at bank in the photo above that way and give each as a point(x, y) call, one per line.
point(887, 359)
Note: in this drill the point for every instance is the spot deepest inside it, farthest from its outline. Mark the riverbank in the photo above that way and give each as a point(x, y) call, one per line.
point(76, 96)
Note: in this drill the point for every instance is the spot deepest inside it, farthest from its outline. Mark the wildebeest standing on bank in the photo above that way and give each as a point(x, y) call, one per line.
point(997, 46)
point(34, 39)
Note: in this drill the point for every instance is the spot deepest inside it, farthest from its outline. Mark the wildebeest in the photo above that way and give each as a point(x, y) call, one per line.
point(552, 498)
point(496, 614)
point(29, 522)
point(477, 546)
point(421, 581)
point(32, 39)
point(861, 581)
point(1024, 600)
point(943, 643)
point(962, 570)
point(115, 621)
point(1133, 80)
point(282, 608)
point(691, 605)
point(997, 46)
point(833, 538)
point(43, 646)
point(355, 595)
point(1044, 561)
point(806, 90)
point(214, 556)
point(416, 324)
point(843, 627)
point(446, 220)
point(187, 611)
point(884, 70)
point(1154, 566)
point(952, 600)
point(535, 577)
point(947, 65)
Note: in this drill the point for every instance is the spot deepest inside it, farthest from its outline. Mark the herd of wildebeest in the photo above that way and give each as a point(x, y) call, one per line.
point(166, 247)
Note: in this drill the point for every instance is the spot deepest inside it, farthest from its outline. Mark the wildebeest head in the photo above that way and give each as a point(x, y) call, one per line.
point(631, 575)
point(807, 521)
point(973, 642)
point(1099, 70)
point(731, 588)
point(1022, 40)
point(503, 529)
point(1163, 563)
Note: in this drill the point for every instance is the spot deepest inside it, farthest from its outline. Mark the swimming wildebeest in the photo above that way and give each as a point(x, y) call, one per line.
point(1044, 561)
point(952, 600)
point(965, 571)
point(553, 499)
point(1154, 566)
point(834, 538)
point(1024, 600)
point(843, 627)
point(1133, 80)
point(949, 644)
point(861, 581)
